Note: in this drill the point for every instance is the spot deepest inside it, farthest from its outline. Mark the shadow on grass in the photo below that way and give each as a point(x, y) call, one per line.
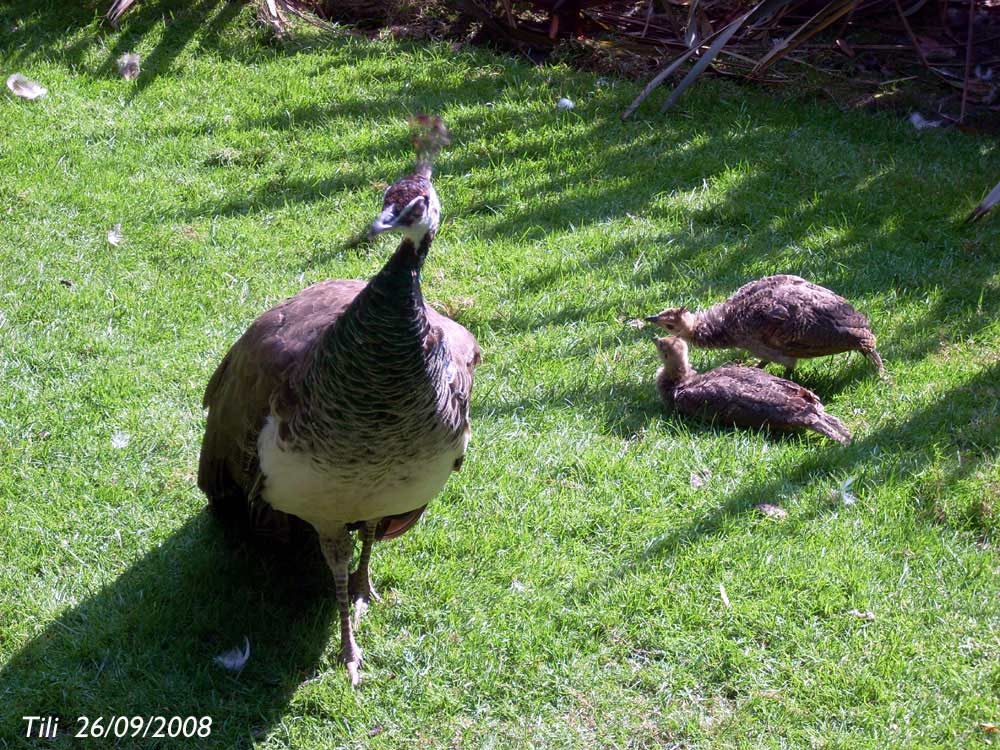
point(144, 644)
point(47, 24)
point(628, 169)
point(968, 412)
point(766, 216)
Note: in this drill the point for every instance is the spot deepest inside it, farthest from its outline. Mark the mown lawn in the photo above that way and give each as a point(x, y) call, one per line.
point(564, 591)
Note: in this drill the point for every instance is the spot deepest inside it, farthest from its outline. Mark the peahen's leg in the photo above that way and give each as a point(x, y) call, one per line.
point(338, 549)
point(360, 584)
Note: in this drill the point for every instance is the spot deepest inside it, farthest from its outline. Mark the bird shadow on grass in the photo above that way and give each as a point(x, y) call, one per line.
point(968, 409)
point(145, 643)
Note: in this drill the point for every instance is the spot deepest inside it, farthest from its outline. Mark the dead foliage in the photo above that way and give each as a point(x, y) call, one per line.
point(938, 56)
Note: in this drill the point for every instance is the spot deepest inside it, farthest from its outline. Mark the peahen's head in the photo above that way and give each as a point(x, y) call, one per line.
point(410, 207)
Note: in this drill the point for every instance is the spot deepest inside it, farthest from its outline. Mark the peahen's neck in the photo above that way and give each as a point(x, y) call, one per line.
point(376, 357)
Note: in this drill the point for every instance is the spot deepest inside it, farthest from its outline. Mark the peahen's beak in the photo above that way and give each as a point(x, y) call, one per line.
point(385, 221)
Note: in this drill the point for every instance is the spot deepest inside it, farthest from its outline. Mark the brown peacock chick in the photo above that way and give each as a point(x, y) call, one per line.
point(779, 319)
point(740, 396)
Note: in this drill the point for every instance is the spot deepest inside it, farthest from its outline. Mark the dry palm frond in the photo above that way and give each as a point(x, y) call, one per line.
point(988, 203)
point(117, 10)
point(842, 39)
point(719, 40)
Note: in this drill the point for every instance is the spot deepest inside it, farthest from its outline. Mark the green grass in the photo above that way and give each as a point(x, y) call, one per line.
point(563, 592)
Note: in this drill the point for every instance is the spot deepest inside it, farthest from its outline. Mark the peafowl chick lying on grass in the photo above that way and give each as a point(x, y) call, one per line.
point(740, 396)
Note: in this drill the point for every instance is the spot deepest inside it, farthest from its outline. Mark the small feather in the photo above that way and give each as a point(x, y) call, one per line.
point(235, 659)
point(698, 478)
point(846, 497)
point(869, 616)
point(921, 123)
point(725, 596)
point(988, 203)
point(25, 88)
point(115, 236)
point(565, 103)
point(128, 66)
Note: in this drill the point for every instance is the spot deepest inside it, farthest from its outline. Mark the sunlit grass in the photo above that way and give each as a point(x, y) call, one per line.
point(564, 589)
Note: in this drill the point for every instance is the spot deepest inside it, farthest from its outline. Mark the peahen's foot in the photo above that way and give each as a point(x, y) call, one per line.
point(350, 654)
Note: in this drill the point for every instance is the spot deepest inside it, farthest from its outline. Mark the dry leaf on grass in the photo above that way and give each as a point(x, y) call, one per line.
point(772, 511)
point(725, 596)
point(234, 659)
point(987, 726)
point(25, 87)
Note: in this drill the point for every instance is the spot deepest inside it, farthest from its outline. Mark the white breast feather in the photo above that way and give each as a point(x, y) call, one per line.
point(324, 495)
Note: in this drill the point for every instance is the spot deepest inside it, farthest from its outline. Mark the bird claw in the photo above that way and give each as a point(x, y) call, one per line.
point(352, 659)
point(360, 585)
point(353, 673)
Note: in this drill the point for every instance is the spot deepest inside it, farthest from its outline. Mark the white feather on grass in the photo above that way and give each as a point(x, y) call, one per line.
point(922, 123)
point(846, 496)
point(25, 87)
point(128, 66)
point(235, 658)
point(115, 235)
